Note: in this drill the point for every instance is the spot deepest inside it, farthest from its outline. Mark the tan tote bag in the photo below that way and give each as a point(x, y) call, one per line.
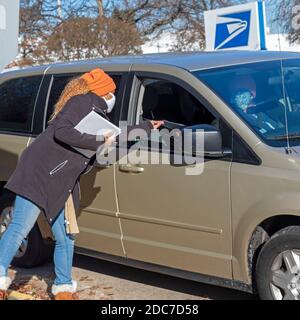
point(70, 217)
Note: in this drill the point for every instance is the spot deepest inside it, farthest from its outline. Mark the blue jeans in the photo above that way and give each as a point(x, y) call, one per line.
point(24, 217)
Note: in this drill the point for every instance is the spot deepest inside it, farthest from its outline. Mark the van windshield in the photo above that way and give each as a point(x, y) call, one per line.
point(266, 98)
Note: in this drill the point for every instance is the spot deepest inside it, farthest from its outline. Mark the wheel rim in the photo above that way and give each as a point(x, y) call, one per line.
point(285, 276)
point(5, 220)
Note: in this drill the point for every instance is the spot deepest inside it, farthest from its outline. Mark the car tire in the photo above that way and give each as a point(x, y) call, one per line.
point(34, 250)
point(278, 266)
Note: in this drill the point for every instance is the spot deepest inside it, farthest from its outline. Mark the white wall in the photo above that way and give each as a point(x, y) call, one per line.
point(274, 43)
point(163, 44)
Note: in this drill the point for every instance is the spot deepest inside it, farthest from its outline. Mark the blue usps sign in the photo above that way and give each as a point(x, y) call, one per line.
point(239, 27)
point(233, 30)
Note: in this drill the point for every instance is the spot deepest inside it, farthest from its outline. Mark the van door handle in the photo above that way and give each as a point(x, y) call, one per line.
point(131, 168)
point(102, 165)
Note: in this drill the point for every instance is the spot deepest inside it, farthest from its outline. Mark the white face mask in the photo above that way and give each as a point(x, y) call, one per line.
point(110, 102)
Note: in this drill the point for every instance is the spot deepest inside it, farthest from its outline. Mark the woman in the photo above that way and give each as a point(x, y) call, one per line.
point(48, 173)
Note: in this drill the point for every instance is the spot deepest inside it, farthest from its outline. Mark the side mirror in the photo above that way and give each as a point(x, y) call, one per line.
point(205, 134)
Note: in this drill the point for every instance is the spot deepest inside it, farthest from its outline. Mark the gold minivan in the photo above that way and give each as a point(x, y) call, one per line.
point(237, 224)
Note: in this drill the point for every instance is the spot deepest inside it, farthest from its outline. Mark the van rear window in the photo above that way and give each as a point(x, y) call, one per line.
point(17, 100)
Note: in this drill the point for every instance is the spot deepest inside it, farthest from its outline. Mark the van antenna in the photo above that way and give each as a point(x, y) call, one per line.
point(288, 149)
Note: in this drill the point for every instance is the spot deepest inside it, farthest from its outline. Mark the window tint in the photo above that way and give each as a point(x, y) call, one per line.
point(58, 85)
point(165, 100)
point(265, 95)
point(17, 101)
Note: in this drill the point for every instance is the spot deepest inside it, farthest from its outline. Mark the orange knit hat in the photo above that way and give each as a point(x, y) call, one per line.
point(99, 82)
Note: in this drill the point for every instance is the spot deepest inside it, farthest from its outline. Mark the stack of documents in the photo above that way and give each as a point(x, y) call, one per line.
point(96, 125)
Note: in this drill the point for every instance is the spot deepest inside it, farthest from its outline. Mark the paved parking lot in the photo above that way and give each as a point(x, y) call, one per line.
point(104, 280)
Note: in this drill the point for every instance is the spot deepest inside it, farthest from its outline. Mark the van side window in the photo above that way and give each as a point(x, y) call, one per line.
point(17, 101)
point(165, 100)
point(58, 85)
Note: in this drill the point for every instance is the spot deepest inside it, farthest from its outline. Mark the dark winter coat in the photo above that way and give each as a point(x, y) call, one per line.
point(49, 169)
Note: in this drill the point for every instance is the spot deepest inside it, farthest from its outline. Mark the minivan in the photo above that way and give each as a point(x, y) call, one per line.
point(237, 224)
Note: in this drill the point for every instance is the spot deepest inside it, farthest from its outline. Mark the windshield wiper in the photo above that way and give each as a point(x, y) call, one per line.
point(284, 136)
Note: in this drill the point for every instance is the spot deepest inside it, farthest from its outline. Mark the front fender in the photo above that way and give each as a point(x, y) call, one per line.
point(281, 204)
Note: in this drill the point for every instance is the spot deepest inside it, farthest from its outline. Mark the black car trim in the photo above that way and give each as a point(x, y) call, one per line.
point(39, 113)
point(170, 271)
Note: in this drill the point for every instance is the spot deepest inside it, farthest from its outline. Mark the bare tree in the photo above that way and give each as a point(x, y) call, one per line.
point(100, 7)
point(53, 30)
point(287, 18)
point(115, 37)
point(182, 18)
point(39, 20)
point(189, 28)
point(32, 26)
point(86, 38)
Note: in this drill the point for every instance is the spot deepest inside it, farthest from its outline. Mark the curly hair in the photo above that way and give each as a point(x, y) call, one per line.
point(75, 87)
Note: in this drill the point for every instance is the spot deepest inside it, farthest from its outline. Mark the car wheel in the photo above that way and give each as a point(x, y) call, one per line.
point(278, 266)
point(34, 250)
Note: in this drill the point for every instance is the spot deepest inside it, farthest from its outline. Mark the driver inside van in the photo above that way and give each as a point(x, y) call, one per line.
point(243, 99)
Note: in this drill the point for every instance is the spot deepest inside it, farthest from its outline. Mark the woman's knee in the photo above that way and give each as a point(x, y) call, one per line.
point(20, 230)
point(24, 217)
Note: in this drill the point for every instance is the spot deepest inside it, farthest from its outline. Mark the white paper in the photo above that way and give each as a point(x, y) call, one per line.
point(96, 125)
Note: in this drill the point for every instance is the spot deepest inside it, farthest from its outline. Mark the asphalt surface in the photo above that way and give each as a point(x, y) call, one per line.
point(102, 280)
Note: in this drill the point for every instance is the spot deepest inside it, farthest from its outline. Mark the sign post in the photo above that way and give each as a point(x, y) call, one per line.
point(240, 27)
point(9, 31)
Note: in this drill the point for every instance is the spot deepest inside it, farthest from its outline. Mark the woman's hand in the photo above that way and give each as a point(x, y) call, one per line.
point(157, 123)
point(109, 139)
